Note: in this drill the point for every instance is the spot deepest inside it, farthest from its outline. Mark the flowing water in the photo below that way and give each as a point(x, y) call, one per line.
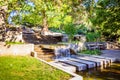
point(110, 73)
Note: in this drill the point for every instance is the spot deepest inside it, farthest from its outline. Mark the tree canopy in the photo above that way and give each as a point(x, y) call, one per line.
point(99, 15)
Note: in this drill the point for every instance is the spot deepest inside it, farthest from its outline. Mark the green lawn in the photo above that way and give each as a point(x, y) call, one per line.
point(28, 68)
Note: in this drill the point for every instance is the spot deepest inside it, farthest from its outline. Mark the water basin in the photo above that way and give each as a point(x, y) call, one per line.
point(110, 73)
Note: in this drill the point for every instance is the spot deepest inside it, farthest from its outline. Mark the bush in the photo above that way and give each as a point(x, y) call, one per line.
point(91, 52)
point(70, 30)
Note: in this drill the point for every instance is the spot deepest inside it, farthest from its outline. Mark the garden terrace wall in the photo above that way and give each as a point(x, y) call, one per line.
point(17, 49)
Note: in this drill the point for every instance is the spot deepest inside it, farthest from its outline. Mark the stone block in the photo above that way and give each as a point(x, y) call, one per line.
point(65, 66)
point(88, 63)
point(79, 66)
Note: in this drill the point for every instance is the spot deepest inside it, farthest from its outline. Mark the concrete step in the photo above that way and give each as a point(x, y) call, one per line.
point(106, 59)
point(64, 66)
point(98, 63)
point(79, 66)
point(88, 63)
point(42, 55)
point(111, 59)
point(40, 50)
point(103, 61)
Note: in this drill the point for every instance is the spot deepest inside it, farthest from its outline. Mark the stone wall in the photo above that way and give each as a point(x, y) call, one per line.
point(113, 45)
point(14, 36)
point(17, 49)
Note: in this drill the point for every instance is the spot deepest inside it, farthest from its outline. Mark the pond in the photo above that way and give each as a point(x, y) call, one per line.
point(110, 73)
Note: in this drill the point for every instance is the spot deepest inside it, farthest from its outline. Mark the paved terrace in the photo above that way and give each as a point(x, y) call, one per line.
point(111, 53)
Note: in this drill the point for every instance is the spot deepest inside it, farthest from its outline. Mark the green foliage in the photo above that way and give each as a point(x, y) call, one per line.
point(103, 14)
point(81, 29)
point(28, 68)
point(92, 36)
point(107, 18)
point(91, 52)
point(70, 30)
point(119, 40)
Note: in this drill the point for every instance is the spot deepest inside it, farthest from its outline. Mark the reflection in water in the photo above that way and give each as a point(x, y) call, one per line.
point(110, 73)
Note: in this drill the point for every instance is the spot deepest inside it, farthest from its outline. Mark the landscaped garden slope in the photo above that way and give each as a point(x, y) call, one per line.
point(28, 68)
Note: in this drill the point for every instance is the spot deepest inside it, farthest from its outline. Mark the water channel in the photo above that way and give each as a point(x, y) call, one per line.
point(109, 73)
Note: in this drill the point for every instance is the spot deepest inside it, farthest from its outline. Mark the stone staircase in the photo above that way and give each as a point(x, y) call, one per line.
point(45, 54)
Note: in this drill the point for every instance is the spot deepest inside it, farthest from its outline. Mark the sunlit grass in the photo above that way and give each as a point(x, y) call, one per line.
point(28, 68)
point(11, 43)
point(91, 52)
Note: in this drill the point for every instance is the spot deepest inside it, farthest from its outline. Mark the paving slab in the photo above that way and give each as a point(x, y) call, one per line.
point(64, 66)
point(89, 64)
point(79, 66)
point(114, 54)
point(107, 58)
point(105, 61)
point(98, 63)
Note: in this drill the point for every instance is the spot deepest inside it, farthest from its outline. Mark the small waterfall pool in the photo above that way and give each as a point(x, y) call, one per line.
point(110, 73)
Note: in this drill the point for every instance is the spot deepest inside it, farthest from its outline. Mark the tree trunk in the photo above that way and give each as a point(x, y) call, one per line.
point(45, 30)
point(3, 21)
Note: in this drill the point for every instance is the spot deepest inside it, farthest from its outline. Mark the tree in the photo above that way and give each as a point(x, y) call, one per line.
point(108, 18)
point(70, 30)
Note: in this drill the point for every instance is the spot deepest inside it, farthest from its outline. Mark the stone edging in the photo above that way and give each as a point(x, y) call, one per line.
point(75, 76)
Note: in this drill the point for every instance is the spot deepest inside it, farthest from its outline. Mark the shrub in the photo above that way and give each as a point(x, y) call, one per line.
point(91, 52)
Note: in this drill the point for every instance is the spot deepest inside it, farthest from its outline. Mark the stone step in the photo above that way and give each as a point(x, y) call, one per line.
point(40, 50)
point(42, 55)
point(106, 61)
point(102, 62)
point(111, 59)
point(88, 63)
point(79, 66)
point(64, 66)
point(98, 63)
point(45, 53)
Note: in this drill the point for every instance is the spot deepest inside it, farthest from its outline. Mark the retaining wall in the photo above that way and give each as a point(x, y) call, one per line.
point(17, 49)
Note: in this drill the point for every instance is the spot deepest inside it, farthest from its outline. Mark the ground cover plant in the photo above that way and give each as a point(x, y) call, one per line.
point(91, 52)
point(28, 68)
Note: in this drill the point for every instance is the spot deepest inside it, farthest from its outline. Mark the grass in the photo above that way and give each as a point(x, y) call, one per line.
point(12, 43)
point(28, 68)
point(91, 52)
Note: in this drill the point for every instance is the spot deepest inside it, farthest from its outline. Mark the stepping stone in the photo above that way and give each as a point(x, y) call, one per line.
point(112, 59)
point(88, 63)
point(79, 66)
point(105, 61)
point(98, 63)
point(65, 66)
